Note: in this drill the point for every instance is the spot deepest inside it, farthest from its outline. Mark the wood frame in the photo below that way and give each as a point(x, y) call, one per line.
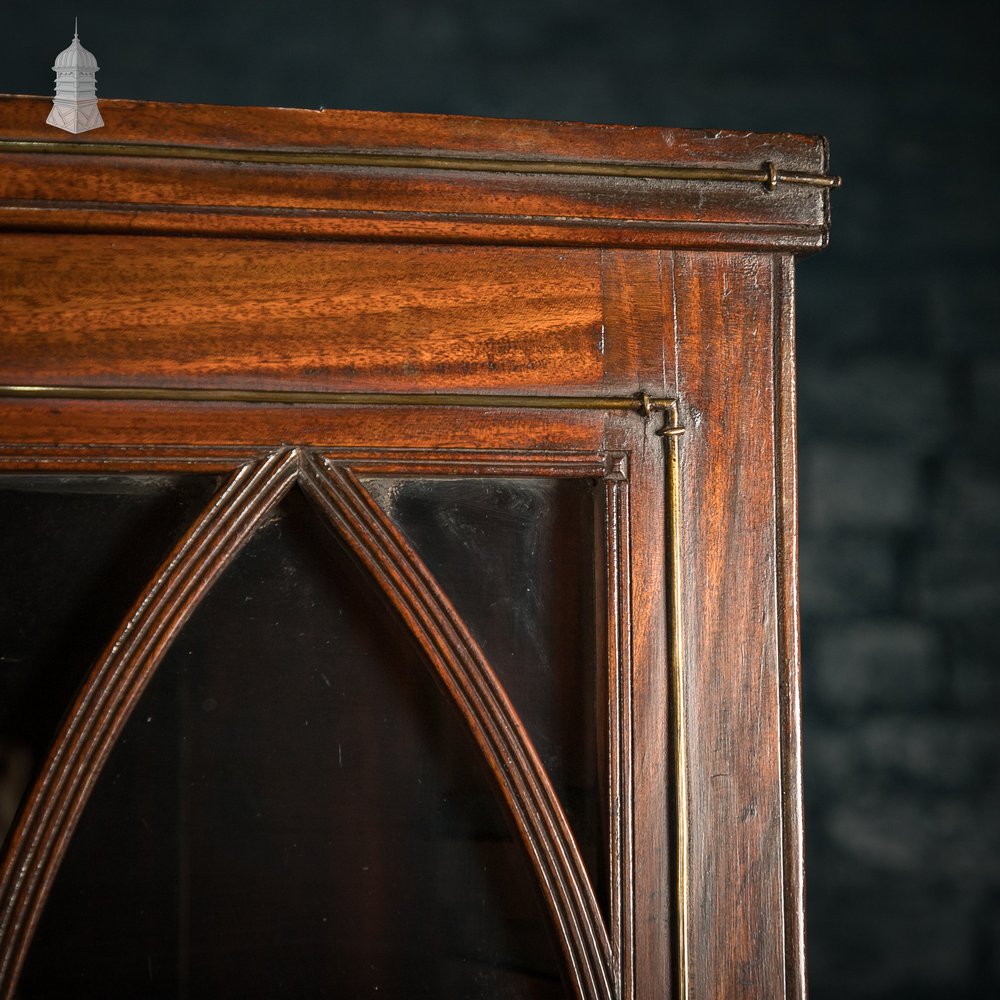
point(672, 290)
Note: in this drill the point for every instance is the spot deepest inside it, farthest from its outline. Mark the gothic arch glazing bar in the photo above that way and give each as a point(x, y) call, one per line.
point(471, 683)
point(118, 680)
point(111, 692)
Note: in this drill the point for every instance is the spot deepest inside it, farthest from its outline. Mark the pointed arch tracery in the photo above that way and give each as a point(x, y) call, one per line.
point(123, 672)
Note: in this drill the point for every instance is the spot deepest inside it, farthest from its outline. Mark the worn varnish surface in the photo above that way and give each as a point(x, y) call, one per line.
point(726, 339)
point(411, 280)
point(288, 128)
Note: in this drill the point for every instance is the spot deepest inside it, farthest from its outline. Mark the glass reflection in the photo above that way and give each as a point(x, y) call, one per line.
point(516, 557)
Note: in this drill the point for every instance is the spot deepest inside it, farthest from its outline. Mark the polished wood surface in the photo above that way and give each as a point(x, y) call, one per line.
point(732, 619)
point(161, 193)
point(265, 315)
point(422, 281)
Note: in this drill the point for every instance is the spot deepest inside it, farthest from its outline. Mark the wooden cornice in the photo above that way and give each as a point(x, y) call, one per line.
point(267, 172)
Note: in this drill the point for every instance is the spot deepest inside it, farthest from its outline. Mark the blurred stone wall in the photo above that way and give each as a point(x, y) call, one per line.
point(899, 368)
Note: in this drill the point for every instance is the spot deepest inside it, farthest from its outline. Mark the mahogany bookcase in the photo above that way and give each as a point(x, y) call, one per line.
point(427, 485)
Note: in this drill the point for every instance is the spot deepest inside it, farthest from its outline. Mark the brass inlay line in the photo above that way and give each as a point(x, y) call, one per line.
point(639, 403)
point(675, 642)
point(768, 174)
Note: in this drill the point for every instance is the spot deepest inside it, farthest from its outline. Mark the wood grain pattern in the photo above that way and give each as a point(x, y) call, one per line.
point(636, 348)
point(389, 191)
point(89, 193)
point(280, 316)
point(478, 230)
point(620, 743)
point(111, 692)
point(48, 428)
point(735, 906)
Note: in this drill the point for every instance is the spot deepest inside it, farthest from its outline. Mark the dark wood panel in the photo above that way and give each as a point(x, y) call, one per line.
point(735, 873)
point(702, 706)
point(91, 310)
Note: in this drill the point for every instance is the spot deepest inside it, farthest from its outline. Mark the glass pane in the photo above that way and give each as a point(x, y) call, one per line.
point(517, 559)
point(295, 809)
point(76, 552)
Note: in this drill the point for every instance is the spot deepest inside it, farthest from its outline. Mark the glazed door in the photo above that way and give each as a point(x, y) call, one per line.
point(365, 723)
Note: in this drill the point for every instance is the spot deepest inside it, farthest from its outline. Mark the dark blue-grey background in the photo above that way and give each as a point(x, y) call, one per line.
point(899, 367)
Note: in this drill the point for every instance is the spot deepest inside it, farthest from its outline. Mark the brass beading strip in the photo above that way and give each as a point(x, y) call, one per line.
point(640, 403)
point(768, 175)
point(671, 433)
